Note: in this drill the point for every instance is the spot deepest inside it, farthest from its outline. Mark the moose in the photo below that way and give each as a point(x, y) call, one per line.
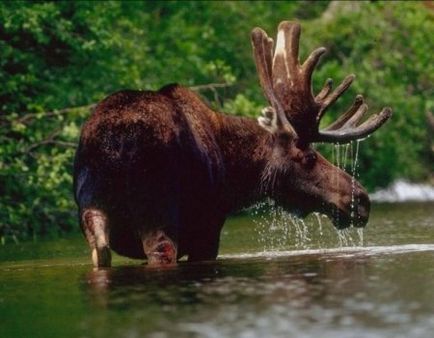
point(156, 173)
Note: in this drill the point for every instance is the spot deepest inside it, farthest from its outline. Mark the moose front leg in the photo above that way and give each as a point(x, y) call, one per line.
point(206, 250)
point(206, 244)
point(95, 228)
point(159, 248)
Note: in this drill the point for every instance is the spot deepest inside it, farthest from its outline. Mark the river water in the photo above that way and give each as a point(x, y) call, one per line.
point(275, 277)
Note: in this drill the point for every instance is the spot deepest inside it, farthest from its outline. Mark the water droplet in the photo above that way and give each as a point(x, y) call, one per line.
point(360, 233)
point(318, 217)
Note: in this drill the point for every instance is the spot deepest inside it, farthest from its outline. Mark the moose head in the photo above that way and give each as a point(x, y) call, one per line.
point(306, 181)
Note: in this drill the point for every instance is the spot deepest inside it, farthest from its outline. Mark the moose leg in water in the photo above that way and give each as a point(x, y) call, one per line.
point(207, 227)
point(159, 248)
point(95, 227)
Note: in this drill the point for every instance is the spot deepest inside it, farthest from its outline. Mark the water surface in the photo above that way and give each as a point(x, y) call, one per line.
point(274, 278)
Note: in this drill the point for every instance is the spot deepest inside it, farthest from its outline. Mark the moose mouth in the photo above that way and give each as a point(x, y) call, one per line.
point(344, 216)
point(343, 219)
point(353, 213)
point(356, 214)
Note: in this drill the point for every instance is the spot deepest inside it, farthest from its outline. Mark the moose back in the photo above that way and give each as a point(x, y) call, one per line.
point(157, 172)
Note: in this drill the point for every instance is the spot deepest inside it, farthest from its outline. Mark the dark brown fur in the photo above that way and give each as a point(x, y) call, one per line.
point(165, 161)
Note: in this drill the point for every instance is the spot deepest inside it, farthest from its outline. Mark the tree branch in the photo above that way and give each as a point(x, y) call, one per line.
point(28, 117)
point(51, 139)
point(210, 86)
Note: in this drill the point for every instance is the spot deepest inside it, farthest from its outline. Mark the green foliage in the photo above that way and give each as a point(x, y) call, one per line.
point(55, 55)
point(389, 50)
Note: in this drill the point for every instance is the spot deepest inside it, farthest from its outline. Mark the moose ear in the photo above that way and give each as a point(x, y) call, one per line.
point(268, 119)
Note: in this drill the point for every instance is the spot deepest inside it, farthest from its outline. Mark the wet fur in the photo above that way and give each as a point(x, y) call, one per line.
point(165, 160)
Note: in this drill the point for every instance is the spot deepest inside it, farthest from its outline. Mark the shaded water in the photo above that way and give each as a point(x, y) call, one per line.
point(271, 280)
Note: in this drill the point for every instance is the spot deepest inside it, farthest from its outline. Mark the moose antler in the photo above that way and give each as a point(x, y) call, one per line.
point(289, 83)
point(274, 119)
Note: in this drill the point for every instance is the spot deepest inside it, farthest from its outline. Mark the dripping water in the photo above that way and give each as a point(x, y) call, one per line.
point(345, 153)
point(304, 235)
point(318, 217)
point(341, 238)
point(341, 155)
point(279, 230)
point(353, 178)
point(349, 237)
point(360, 233)
point(336, 173)
point(298, 231)
point(337, 149)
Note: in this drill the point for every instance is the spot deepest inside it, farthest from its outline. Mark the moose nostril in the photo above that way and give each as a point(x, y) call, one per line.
point(363, 198)
point(362, 203)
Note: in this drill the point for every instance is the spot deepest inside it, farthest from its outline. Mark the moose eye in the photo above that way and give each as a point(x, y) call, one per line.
point(309, 159)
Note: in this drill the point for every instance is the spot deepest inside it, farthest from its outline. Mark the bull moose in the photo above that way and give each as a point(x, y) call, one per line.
point(156, 173)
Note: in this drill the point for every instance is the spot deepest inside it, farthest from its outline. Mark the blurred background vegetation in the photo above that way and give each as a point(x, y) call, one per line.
point(58, 58)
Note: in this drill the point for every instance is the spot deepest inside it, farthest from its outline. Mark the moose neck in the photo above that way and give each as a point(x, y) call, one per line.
point(244, 148)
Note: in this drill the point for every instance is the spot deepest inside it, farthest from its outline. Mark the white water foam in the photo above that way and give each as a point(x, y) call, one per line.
point(403, 191)
point(364, 251)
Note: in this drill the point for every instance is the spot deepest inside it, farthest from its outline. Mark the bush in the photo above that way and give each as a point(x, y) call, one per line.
point(55, 55)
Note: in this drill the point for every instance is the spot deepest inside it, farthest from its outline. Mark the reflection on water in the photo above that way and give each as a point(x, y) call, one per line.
point(382, 289)
point(333, 293)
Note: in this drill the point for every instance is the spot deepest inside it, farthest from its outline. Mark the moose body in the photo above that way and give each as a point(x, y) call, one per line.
point(157, 173)
point(163, 160)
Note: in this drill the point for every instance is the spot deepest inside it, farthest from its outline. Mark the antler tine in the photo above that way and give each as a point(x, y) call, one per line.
point(260, 42)
point(375, 121)
point(292, 42)
point(353, 120)
point(285, 61)
point(311, 62)
point(351, 116)
point(331, 98)
point(262, 50)
point(348, 132)
point(345, 128)
point(326, 89)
